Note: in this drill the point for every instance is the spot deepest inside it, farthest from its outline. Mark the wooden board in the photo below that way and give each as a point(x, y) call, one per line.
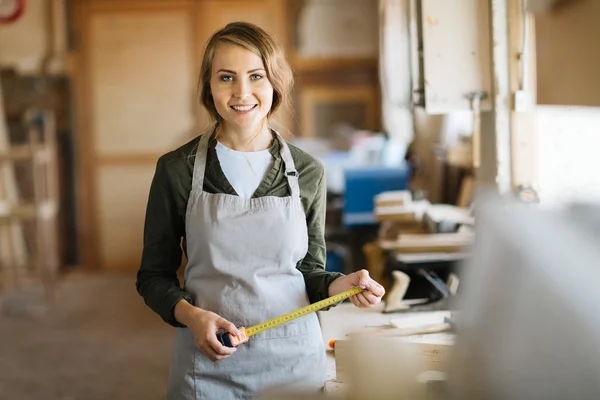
point(142, 87)
point(123, 195)
point(337, 322)
point(426, 356)
point(456, 53)
point(143, 81)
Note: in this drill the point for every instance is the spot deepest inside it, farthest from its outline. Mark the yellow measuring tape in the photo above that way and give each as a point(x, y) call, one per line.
point(231, 340)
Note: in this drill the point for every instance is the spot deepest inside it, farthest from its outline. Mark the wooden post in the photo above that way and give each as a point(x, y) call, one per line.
point(501, 98)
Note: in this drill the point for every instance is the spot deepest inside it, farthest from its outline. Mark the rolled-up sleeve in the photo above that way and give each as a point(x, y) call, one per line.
point(316, 278)
point(164, 227)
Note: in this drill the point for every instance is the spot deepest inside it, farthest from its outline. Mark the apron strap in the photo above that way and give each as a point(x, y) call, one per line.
point(200, 162)
point(200, 165)
point(290, 169)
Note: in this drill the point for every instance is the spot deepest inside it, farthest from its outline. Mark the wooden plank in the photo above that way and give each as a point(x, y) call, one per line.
point(85, 180)
point(143, 87)
point(501, 96)
point(122, 195)
point(425, 356)
point(456, 53)
point(431, 350)
point(25, 153)
point(143, 81)
point(44, 211)
point(393, 198)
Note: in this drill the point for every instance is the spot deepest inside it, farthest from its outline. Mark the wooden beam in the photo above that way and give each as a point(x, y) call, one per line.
point(501, 98)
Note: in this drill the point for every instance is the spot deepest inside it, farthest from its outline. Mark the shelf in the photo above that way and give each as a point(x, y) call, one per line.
point(321, 64)
point(45, 211)
point(25, 153)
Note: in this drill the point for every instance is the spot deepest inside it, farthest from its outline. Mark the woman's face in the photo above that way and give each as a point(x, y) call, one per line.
point(241, 91)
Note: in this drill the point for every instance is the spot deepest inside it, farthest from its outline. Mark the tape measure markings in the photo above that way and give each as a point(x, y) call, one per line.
point(253, 330)
point(229, 340)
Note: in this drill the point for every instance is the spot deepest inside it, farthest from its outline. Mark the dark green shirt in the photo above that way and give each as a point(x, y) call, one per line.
point(164, 231)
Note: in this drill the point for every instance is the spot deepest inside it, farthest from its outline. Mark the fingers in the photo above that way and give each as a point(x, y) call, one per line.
point(212, 355)
point(372, 293)
point(214, 350)
point(210, 346)
point(355, 301)
point(363, 280)
point(361, 301)
point(369, 298)
point(220, 350)
point(365, 300)
point(222, 323)
point(376, 289)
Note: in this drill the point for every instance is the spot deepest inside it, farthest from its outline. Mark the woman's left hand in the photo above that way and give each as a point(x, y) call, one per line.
point(370, 296)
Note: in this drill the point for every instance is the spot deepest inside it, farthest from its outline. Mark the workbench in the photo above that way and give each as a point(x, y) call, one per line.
point(345, 318)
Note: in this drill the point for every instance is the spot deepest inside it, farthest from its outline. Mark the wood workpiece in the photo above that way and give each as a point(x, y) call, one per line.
point(339, 322)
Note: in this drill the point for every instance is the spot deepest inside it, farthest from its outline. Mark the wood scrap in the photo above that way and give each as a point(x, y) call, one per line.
point(467, 190)
point(399, 332)
point(363, 365)
point(434, 243)
point(412, 212)
point(446, 218)
point(389, 230)
point(393, 198)
point(393, 300)
point(419, 319)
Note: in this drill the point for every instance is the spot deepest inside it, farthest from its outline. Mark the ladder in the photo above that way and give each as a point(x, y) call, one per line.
point(29, 253)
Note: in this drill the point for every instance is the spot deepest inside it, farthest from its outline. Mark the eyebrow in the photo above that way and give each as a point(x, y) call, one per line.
point(234, 73)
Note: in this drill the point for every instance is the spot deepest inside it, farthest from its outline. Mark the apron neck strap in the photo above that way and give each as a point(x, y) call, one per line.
point(290, 169)
point(200, 164)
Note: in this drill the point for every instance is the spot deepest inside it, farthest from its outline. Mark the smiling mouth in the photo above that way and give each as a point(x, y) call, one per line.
point(243, 108)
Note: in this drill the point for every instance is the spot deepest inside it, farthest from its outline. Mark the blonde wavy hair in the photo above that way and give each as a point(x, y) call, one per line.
point(255, 39)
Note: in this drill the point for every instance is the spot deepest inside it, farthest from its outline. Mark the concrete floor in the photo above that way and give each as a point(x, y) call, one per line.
point(98, 341)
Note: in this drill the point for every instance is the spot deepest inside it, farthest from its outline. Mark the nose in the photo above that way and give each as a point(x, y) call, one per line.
point(242, 89)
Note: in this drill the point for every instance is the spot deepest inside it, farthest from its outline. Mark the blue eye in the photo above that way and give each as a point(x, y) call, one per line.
point(226, 78)
point(256, 77)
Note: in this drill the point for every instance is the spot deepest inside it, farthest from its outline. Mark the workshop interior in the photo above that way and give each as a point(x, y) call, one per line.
point(459, 142)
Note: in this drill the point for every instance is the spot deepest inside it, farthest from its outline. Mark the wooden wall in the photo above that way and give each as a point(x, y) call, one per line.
point(568, 54)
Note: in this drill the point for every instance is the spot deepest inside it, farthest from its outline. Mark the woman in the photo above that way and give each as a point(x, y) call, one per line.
point(251, 210)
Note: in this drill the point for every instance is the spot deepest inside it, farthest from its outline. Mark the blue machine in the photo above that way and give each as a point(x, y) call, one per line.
point(361, 186)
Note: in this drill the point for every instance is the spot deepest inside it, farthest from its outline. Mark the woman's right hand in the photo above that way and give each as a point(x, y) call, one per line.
point(205, 325)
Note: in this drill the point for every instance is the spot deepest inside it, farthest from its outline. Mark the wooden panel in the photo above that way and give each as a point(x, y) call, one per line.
point(456, 53)
point(268, 14)
point(142, 87)
point(568, 59)
point(143, 80)
point(337, 29)
point(122, 198)
point(321, 107)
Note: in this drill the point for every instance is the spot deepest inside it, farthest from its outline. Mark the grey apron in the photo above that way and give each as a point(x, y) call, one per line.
point(242, 257)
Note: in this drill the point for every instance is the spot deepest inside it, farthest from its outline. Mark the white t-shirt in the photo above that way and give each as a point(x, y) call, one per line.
point(244, 170)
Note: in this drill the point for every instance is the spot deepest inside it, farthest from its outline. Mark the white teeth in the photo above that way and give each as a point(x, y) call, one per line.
point(242, 108)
